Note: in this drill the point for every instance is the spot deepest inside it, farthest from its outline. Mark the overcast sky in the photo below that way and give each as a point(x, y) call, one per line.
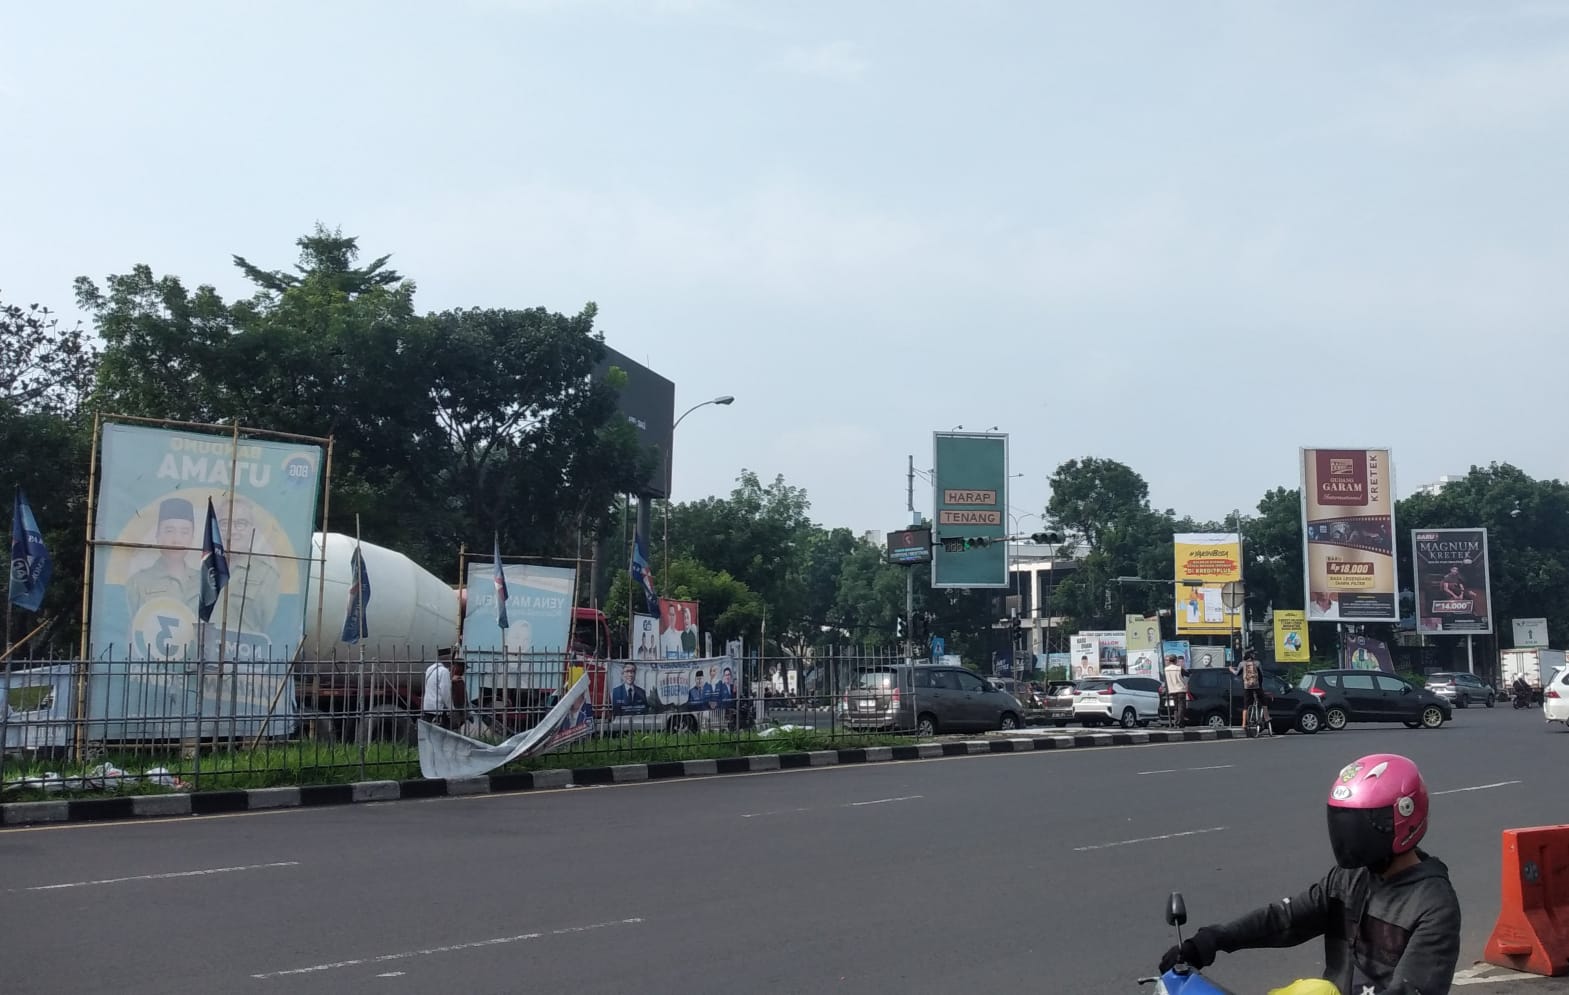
point(1187, 236)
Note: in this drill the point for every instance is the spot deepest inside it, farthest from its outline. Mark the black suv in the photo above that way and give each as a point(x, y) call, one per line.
point(1374, 696)
point(1215, 699)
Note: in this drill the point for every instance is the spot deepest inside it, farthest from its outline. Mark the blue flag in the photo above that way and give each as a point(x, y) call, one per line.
point(642, 575)
point(215, 566)
point(31, 564)
point(355, 624)
point(501, 588)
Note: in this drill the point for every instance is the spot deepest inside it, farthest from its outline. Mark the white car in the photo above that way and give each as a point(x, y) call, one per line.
point(1555, 698)
point(1126, 701)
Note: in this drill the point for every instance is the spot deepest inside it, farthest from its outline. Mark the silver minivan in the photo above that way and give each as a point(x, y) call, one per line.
point(927, 699)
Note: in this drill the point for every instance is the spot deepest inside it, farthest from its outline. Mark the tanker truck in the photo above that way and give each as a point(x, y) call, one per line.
point(413, 619)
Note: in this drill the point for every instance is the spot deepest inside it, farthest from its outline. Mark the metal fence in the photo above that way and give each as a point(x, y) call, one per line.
point(74, 725)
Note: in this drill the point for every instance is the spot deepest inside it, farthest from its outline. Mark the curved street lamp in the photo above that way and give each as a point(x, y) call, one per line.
point(722, 399)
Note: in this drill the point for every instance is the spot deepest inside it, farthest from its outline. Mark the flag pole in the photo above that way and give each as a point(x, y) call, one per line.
point(360, 635)
point(16, 508)
point(239, 626)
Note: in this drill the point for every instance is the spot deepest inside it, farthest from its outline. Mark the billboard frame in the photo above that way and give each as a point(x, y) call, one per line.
point(1487, 583)
point(1000, 539)
point(1307, 560)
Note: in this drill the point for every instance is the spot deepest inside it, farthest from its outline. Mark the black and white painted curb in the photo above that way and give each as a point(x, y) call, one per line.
point(257, 799)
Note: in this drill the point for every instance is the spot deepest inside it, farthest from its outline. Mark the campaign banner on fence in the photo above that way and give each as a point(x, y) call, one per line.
point(153, 488)
point(654, 688)
point(447, 754)
point(1348, 534)
point(1365, 653)
point(529, 653)
point(678, 629)
point(1454, 593)
point(1291, 637)
point(1205, 563)
point(35, 707)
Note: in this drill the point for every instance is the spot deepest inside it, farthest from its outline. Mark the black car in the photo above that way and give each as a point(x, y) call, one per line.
point(1372, 696)
point(1215, 699)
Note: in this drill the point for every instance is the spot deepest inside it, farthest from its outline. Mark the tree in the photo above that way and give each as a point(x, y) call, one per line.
point(1104, 505)
point(726, 606)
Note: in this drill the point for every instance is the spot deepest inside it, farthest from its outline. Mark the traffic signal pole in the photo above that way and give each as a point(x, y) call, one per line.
point(909, 572)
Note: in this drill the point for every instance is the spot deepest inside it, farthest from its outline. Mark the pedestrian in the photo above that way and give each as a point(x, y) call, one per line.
point(459, 713)
point(436, 701)
point(1176, 690)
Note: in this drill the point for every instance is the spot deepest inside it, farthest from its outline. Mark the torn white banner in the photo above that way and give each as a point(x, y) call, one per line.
point(444, 754)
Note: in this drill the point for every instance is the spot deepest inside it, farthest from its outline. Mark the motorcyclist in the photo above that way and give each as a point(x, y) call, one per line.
point(1522, 692)
point(1387, 912)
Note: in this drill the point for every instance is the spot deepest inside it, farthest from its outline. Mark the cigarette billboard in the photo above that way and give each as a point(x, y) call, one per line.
point(1348, 533)
point(1453, 590)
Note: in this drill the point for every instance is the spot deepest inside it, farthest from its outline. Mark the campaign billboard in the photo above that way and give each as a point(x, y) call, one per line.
point(1086, 657)
point(970, 503)
point(678, 630)
point(1365, 653)
point(1142, 633)
point(1454, 593)
point(1291, 637)
point(1348, 534)
point(648, 403)
point(529, 654)
point(645, 637)
point(1206, 562)
point(664, 686)
point(154, 485)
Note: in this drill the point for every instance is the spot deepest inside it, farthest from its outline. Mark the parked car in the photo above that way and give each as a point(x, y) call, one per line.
point(1059, 702)
point(1555, 698)
point(1462, 689)
point(1127, 701)
point(927, 699)
point(1215, 699)
point(1371, 696)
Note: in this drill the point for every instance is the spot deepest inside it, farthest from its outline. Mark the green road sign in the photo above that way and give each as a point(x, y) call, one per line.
point(970, 509)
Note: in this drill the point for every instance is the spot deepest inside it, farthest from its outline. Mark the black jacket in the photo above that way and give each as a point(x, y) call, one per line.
point(1400, 935)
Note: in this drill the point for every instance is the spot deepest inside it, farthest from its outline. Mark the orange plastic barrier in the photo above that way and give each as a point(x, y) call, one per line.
point(1532, 932)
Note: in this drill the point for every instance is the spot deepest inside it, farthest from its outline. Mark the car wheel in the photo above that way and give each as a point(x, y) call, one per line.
point(1130, 718)
point(1009, 721)
point(1216, 720)
point(1335, 717)
point(1432, 717)
point(926, 725)
point(1309, 721)
point(1489, 701)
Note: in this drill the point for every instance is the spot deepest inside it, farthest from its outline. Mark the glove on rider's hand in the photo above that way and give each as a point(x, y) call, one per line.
point(1198, 952)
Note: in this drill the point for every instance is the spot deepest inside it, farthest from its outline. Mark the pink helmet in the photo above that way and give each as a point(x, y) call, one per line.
point(1377, 809)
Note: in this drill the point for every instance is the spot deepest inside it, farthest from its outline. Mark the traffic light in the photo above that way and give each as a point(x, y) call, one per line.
point(954, 544)
point(1046, 538)
point(898, 627)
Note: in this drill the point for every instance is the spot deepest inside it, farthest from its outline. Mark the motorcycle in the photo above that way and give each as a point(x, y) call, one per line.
point(1185, 980)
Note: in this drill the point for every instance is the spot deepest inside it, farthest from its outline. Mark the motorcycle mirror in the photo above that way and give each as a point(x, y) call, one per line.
point(1176, 910)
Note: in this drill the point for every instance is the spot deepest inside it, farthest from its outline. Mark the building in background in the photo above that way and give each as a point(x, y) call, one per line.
point(1437, 485)
point(1034, 571)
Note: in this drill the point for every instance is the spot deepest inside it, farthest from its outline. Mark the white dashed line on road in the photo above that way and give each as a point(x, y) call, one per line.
point(1149, 839)
point(452, 948)
point(1180, 770)
point(885, 801)
point(162, 877)
point(1478, 787)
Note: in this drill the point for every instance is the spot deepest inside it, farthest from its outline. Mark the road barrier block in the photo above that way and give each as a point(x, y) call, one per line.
point(1532, 932)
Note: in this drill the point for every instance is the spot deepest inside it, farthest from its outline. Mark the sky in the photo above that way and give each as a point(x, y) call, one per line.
point(1190, 237)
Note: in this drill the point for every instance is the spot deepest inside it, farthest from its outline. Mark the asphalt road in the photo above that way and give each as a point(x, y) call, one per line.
point(1033, 872)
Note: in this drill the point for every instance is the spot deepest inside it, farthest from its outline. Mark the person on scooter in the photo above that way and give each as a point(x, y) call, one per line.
point(1521, 692)
point(1387, 912)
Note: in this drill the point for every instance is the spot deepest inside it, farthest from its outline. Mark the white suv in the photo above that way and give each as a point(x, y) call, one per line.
point(1555, 699)
point(1127, 701)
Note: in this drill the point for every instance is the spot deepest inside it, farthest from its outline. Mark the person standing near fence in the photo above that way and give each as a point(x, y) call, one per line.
point(436, 701)
point(1176, 690)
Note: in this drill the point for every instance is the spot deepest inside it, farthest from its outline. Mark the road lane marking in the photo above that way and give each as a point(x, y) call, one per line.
point(1477, 787)
point(390, 974)
point(161, 877)
point(1149, 839)
point(1179, 770)
point(885, 801)
point(450, 948)
point(782, 811)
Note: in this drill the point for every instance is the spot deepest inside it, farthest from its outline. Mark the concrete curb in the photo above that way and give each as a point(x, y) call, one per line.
point(258, 799)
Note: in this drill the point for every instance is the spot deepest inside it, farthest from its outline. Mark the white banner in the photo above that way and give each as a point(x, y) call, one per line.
point(444, 754)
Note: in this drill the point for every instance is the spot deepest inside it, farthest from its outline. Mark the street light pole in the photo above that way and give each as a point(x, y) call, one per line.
point(722, 400)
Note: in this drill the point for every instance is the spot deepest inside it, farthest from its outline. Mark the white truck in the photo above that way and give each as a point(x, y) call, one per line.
point(1537, 665)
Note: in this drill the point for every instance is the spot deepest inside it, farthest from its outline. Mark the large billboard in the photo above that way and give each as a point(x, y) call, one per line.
point(1206, 562)
point(648, 403)
point(970, 481)
point(153, 488)
point(1348, 531)
point(529, 653)
point(1453, 590)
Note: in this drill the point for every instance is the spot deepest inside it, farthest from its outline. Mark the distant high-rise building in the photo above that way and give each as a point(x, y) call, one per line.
point(1437, 485)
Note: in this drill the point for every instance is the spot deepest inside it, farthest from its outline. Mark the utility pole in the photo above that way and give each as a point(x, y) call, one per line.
point(909, 572)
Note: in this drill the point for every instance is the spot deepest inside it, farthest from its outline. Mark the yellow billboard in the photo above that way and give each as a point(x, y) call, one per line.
point(1291, 637)
point(1207, 562)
